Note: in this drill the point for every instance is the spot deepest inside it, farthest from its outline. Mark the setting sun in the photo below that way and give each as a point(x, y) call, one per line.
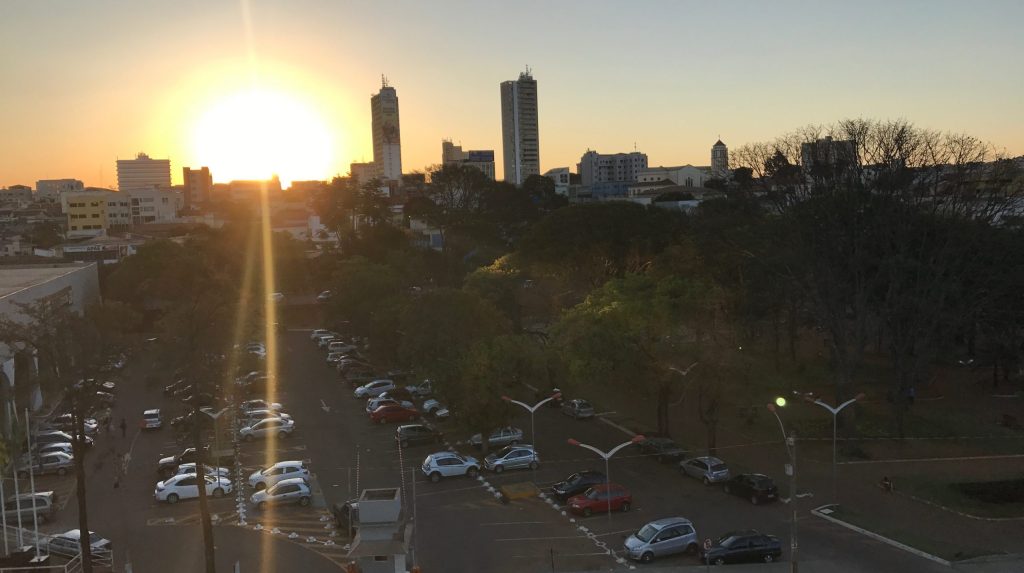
point(258, 133)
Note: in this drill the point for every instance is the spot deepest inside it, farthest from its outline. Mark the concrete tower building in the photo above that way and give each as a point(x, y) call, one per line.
point(198, 185)
point(520, 136)
point(387, 144)
point(719, 160)
point(143, 173)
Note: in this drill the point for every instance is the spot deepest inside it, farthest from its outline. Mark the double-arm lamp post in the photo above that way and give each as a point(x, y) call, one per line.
point(607, 456)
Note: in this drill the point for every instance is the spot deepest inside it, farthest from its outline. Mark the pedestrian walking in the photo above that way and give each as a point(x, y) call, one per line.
point(124, 427)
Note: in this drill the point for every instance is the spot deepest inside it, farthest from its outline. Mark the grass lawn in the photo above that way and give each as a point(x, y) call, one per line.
point(1003, 498)
point(913, 538)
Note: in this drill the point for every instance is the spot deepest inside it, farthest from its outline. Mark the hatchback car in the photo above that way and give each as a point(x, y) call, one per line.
point(707, 469)
point(64, 447)
point(449, 464)
point(393, 413)
point(662, 537)
point(292, 490)
point(317, 332)
point(45, 506)
point(256, 415)
point(413, 434)
point(373, 389)
point(500, 437)
point(436, 409)
point(68, 543)
point(662, 449)
point(579, 409)
point(190, 468)
point(577, 483)
point(262, 479)
point(374, 403)
point(755, 487)
point(279, 427)
point(743, 546)
point(186, 486)
point(601, 498)
point(151, 420)
point(512, 457)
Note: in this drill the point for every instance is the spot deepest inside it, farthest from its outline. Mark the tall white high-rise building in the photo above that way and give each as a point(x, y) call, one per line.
point(387, 141)
point(143, 173)
point(719, 160)
point(520, 136)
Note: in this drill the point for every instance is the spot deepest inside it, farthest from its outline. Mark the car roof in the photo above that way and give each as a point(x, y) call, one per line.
point(75, 534)
point(46, 494)
point(153, 411)
point(289, 481)
point(709, 460)
point(669, 521)
point(439, 455)
point(289, 463)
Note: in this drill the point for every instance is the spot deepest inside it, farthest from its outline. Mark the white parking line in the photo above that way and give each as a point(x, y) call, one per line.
point(511, 523)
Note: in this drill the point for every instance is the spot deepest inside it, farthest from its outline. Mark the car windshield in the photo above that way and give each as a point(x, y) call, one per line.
point(647, 532)
point(727, 540)
point(718, 467)
point(592, 494)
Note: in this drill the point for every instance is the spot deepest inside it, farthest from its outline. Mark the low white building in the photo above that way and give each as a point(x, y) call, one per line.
point(685, 175)
point(562, 178)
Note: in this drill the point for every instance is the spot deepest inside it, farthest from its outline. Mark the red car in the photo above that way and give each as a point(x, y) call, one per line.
point(393, 413)
point(601, 498)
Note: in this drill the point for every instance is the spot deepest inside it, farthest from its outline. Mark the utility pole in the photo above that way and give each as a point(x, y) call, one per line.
point(793, 544)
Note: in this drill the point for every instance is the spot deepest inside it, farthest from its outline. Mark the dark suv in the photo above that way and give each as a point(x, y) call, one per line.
point(742, 546)
point(755, 487)
point(413, 434)
point(577, 483)
point(663, 449)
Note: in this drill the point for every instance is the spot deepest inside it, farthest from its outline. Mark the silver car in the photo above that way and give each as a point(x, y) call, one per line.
point(500, 437)
point(294, 490)
point(449, 464)
point(512, 457)
point(52, 463)
point(579, 409)
point(662, 537)
point(45, 502)
point(706, 468)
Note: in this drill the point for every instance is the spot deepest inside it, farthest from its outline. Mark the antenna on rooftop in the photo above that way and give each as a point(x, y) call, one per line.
point(383, 81)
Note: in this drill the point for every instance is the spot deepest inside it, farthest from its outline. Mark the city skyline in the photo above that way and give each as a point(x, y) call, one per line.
point(758, 74)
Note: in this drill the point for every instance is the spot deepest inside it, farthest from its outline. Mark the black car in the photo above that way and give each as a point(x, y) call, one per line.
point(412, 434)
point(577, 483)
point(167, 466)
point(185, 422)
point(346, 515)
point(743, 546)
point(664, 450)
point(755, 487)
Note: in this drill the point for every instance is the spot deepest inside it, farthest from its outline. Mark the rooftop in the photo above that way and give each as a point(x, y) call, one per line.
point(17, 278)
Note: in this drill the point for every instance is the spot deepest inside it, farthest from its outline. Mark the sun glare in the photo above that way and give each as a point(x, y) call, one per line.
point(259, 133)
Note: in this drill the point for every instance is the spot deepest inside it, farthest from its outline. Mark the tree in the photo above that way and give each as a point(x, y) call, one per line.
point(541, 190)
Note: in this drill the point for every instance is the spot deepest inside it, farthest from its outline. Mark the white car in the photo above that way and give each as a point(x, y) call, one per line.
point(186, 486)
point(190, 468)
point(421, 390)
point(449, 464)
point(375, 388)
point(294, 490)
point(434, 408)
point(335, 357)
point(262, 479)
point(277, 297)
point(319, 332)
point(251, 405)
point(151, 420)
point(64, 447)
point(257, 348)
point(324, 339)
point(340, 346)
point(68, 543)
point(254, 416)
point(374, 403)
point(268, 427)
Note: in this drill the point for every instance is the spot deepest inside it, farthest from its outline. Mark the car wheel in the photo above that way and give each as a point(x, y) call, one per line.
point(587, 512)
point(260, 486)
point(62, 471)
point(172, 498)
point(303, 501)
point(261, 505)
point(753, 500)
point(282, 435)
point(768, 558)
point(625, 506)
point(707, 481)
point(533, 465)
point(647, 557)
point(719, 561)
point(218, 492)
point(513, 442)
point(248, 437)
point(472, 472)
point(499, 469)
point(691, 549)
point(435, 477)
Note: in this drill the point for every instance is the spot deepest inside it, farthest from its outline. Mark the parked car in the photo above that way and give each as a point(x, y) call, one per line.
point(375, 388)
point(185, 421)
point(400, 394)
point(52, 436)
point(579, 409)
point(512, 457)
point(601, 498)
point(706, 468)
point(374, 403)
point(105, 399)
point(45, 507)
point(324, 296)
point(577, 483)
point(421, 390)
point(755, 487)
point(662, 537)
point(449, 464)
point(346, 514)
point(174, 387)
point(256, 415)
point(250, 405)
point(151, 420)
point(279, 427)
point(357, 379)
point(318, 332)
point(68, 543)
point(292, 490)
point(262, 479)
point(257, 349)
point(277, 297)
point(334, 357)
point(324, 339)
point(341, 347)
point(186, 486)
point(393, 413)
point(92, 385)
point(168, 465)
point(413, 434)
point(743, 546)
point(436, 409)
point(58, 463)
point(65, 422)
point(190, 468)
point(500, 437)
point(662, 449)
point(64, 447)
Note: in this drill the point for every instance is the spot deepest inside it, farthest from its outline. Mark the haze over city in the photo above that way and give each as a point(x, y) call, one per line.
point(253, 88)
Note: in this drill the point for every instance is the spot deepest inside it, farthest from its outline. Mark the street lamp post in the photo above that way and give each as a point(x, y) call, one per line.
point(531, 410)
point(790, 442)
point(607, 456)
point(835, 416)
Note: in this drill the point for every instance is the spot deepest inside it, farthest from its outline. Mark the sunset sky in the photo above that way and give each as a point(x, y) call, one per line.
point(255, 87)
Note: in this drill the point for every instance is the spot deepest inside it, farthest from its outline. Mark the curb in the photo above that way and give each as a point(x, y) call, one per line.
point(817, 512)
point(960, 513)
